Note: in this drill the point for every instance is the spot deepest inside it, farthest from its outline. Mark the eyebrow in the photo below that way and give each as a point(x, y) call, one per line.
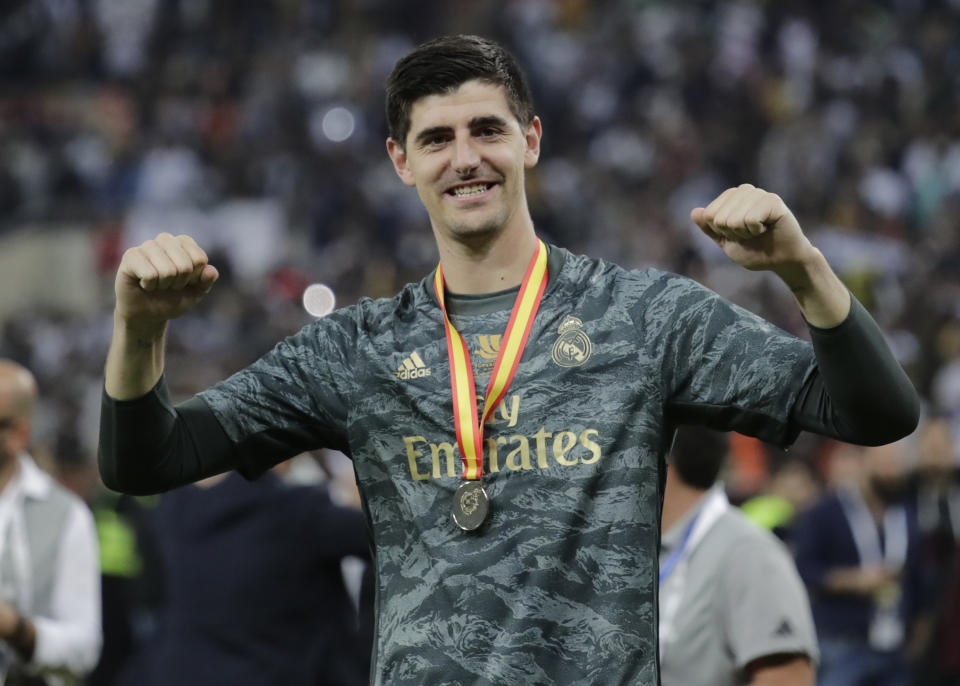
point(475, 123)
point(490, 120)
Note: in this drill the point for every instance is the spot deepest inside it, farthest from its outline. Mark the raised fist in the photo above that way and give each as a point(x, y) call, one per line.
point(161, 279)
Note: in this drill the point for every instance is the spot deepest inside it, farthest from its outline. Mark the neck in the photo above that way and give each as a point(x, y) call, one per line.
point(486, 266)
point(873, 502)
point(8, 469)
point(678, 500)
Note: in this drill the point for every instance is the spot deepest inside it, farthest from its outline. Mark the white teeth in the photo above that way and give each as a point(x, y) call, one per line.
point(464, 191)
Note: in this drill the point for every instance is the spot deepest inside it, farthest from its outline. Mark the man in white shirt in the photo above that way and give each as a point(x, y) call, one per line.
point(49, 563)
point(732, 607)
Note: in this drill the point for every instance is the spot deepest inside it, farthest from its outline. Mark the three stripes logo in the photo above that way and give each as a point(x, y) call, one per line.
point(413, 367)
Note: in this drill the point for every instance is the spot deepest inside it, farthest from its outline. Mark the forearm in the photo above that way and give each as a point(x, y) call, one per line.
point(859, 394)
point(822, 297)
point(135, 359)
point(781, 670)
point(845, 580)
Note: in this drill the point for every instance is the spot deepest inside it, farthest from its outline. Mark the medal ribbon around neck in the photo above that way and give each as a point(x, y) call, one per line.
point(469, 430)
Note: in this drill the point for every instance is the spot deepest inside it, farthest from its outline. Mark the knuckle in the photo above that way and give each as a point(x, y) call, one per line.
point(187, 242)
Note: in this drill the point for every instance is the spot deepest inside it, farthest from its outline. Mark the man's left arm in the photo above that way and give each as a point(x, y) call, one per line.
point(780, 670)
point(859, 392)
point(70, 636)
point(766, 615)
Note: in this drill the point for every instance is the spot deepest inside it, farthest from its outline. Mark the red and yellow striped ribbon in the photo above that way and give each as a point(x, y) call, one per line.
point(469, 429)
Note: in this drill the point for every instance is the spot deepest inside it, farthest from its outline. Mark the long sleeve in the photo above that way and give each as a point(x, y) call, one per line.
point(148, 446)
point(70, 637)
point(858, 393)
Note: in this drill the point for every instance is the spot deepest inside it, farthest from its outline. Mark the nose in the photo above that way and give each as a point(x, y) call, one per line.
point(466, 159)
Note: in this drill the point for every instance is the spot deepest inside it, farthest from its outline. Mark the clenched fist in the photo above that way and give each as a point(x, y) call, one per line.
point(755, 229)
point(161, 279)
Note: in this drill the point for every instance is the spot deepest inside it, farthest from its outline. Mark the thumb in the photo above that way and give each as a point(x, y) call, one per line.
point(697, 216)
point(208, 277)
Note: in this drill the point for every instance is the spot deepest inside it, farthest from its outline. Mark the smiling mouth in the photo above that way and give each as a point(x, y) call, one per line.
point(470, 190)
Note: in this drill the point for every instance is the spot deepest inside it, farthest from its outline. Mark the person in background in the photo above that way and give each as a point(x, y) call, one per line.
point(253, 591)
point(732, 608)
point(857, 550)
point(130, 581)
point(936, 496)
point(791, 489)
point(49, 565)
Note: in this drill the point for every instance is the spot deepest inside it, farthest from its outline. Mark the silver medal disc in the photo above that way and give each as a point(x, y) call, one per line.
point(470, 505)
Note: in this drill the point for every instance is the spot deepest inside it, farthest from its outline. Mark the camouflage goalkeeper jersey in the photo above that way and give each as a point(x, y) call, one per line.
point(559, 585)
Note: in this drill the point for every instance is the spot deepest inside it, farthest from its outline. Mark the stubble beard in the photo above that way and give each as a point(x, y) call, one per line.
point(476, 233)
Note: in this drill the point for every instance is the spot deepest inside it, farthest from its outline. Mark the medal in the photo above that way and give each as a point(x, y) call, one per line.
point(470, 502)
point(470, 505)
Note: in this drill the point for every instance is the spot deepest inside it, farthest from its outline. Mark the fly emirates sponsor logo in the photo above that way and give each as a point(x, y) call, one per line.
point(429, 459)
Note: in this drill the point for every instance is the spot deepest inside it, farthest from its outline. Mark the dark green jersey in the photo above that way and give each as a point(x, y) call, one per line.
point(559, 585)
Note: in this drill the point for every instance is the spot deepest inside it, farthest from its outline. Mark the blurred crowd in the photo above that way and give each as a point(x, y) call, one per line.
point(258, 128)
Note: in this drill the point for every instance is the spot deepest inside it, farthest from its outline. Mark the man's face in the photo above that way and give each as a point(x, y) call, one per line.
point(13, 433)
point(466, 154)
point(885, 469)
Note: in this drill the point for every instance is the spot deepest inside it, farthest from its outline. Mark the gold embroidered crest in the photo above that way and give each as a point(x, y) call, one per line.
point(573, 347)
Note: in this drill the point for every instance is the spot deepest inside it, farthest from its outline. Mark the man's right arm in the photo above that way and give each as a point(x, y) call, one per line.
point(145, 445)
point(148, 445)
point(157, 281)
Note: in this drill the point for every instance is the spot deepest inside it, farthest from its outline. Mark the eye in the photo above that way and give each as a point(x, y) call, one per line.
point(489, 132)
point(434, 141)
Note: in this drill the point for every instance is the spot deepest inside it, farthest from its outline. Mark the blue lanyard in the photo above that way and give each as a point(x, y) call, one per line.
point(675, 556)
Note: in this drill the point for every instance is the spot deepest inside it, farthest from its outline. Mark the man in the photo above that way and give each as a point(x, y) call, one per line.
point(49, 564)
point(277, 545)
point(858, 552)
point(732, 608)
point(791, 489)
point(519, 547)
point(936, 496)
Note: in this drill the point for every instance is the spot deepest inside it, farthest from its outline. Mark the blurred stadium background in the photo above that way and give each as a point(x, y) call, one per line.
point(258, 127)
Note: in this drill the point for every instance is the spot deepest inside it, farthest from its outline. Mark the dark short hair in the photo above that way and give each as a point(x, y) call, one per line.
point(697, 455)
point(441, 66)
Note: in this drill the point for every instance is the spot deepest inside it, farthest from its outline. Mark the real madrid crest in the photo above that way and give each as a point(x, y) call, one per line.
point(573, 347)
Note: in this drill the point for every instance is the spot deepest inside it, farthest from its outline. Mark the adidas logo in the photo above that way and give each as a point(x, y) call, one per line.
point(784, 629)
point(412, 368)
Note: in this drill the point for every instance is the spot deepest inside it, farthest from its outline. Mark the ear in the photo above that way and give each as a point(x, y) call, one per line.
point(399, 158)
point(532, 137)
point(20, 434)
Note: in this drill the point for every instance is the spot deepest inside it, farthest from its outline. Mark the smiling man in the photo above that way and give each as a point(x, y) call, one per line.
point(513, 502)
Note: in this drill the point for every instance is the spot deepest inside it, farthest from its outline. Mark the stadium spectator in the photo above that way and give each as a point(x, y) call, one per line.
point(790, 489)
point(858, 551)
point(733, 609)
point(936, 497)
point(49, 574)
